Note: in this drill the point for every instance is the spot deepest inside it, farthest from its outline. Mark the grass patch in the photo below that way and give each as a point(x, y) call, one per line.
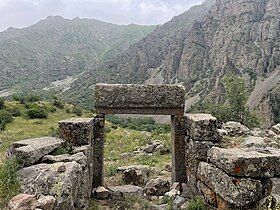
point(9, 186)
point(196, 204)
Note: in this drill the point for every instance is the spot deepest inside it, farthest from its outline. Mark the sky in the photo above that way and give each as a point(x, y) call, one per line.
point(22, 13)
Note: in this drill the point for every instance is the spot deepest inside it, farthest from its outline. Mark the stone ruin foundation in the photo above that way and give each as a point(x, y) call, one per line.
point(227, 178)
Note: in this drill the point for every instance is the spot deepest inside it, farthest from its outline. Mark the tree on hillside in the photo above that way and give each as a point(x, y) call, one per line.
point(234, 109)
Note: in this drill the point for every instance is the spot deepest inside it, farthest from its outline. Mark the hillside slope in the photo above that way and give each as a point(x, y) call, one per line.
point(55, 48)
point(235, 36)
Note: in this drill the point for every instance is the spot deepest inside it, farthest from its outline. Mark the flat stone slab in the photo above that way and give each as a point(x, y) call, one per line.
point(124, 191)
point(139, 99)
point(31, 151)
point(247, 162)
point(240, 192)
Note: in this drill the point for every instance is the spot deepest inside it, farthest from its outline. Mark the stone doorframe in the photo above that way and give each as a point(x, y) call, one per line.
point(144, 100)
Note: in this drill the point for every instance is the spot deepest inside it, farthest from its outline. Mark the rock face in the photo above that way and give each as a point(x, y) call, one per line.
point(255, 162)
point(31, 151)
point(238, 192)
point(139, 99)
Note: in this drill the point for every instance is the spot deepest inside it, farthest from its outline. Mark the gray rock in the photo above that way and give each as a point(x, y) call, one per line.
point(270, 134)
point(135, 177)
point(243, 162)
point(179, 201)
point(46, 202)
point(157, 187)
point(276, 129)
point(172, 193)
point(139, 99)
point(149, 149)
point(77, 131)
point(22, 202)
point(101, 193)
point(125, 191)
point(203, 127)
point(160, 207)
point(236, 129)
point(161, 149)
point(239, 192)
point(30, 151)
point(45, 179)
point(254, 142)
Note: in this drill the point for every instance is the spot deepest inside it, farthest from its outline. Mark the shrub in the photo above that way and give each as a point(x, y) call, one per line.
point(2, 103)
point(58, 103)
point(78, 111)
point(9, 186)
point(196, 204)
point(36, 113)
point(5, 118)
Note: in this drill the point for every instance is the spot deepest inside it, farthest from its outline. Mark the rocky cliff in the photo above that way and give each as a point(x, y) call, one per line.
point(237, 36)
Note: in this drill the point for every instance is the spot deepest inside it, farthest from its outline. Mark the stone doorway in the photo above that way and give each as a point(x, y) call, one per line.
point(141, 100)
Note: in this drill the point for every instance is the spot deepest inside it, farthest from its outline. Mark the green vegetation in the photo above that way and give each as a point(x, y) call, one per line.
point(141, 124)
point(9, 186)
point(36, 113)
point(5, 118)
point(234, 108)
point(196, 204)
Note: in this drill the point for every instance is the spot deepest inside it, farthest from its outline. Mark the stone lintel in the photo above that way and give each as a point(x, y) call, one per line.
point(139, 99)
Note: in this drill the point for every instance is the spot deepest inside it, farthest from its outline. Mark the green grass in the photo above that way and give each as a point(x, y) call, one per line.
point(9, 186)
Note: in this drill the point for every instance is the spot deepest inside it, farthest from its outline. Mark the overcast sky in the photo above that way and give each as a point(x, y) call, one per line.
point(22, 13)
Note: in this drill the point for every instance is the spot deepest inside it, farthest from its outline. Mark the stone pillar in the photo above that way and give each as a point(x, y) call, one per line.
point(202, 133)
point(178, 148)
point(98, 150)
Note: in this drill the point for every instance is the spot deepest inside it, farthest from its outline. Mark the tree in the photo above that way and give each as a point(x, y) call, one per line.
point(2, 103)
point(234, 108)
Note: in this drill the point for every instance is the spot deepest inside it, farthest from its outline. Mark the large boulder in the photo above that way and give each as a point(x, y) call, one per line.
point(30, 151)
point(61, 180)
point(238, 192)
point(157, 187)
point(247, 162)
point(236, 129)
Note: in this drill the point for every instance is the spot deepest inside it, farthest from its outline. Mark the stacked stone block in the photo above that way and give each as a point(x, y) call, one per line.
point(202, 135)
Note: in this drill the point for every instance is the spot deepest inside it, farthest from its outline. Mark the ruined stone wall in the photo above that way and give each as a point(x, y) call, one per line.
point(229, 178)
point(65, 168)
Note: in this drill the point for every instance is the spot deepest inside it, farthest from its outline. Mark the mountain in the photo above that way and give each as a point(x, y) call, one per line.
point(143, 59)
point(201, 46)
point(57, 48)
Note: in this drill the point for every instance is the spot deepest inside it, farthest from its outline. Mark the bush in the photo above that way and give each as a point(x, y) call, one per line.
point(78, 111)
point(5, 118)
point(2, 103)
point(196, 204)
point(36, 113)
point(58, 103)
point(9, 186)
point(234, 109)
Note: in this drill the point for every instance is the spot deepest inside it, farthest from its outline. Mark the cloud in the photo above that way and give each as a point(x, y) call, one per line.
point(21, 13)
